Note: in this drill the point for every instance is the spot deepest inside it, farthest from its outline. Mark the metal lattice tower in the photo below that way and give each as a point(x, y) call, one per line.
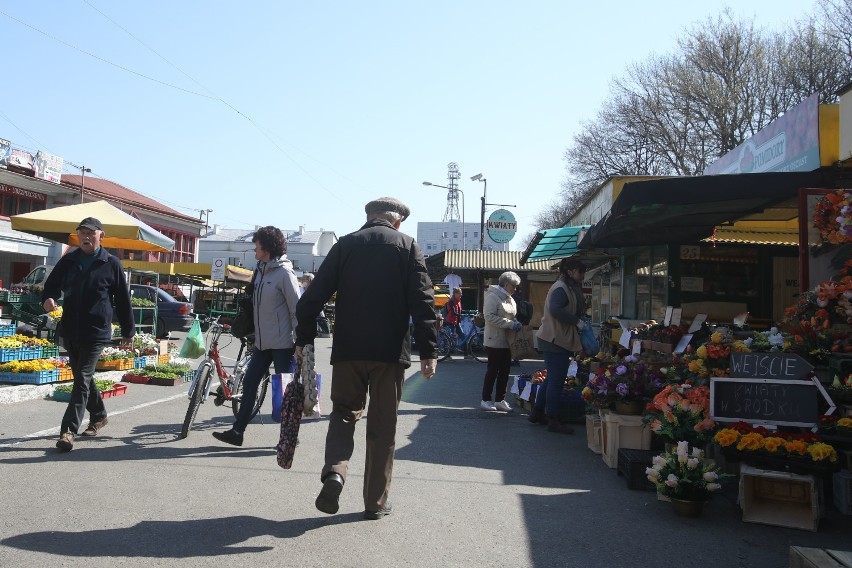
point(452, 212)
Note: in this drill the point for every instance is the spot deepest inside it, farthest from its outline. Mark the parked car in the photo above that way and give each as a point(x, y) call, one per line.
point(172, 315)
point(34, 281)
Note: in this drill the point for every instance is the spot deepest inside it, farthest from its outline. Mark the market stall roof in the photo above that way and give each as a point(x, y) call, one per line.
point(123, 231)
point(687, 209)
point(550, 244)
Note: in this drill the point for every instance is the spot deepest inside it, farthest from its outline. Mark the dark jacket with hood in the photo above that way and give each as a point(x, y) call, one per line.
point(380, 278)
point(89, 296)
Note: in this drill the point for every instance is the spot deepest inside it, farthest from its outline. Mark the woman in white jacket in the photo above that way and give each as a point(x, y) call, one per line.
point(499, 311)
point(275, 292)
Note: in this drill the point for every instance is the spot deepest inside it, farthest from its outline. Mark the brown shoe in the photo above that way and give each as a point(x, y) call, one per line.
point(65, 442)
point(94, 427)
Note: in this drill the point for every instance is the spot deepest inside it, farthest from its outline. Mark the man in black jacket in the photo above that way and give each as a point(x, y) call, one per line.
point(90, 280)
point(380, 279)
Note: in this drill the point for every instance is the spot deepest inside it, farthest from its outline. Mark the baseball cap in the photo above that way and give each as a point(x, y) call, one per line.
point(91, 223)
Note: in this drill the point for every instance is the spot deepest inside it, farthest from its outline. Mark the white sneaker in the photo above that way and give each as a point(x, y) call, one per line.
point(487, 405)
point(503, 405)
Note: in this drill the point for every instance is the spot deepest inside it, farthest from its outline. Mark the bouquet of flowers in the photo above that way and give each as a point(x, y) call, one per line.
point(757, 441)
point(833, 217)
point(769, 341)
point(625, 381)
point(685, 474)
point(682, 413)
point(818, 321)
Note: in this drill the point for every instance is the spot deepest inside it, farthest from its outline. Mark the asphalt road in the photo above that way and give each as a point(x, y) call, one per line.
point(471, 488)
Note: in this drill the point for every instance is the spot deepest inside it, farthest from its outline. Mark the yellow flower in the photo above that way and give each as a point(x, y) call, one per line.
point(821, 451)
point(716, 337)
point(772, 443)
point(751, 441)
point(702, 352)
point(726, 437)
point(845, 422)
point(796, 447)
point(740, 347)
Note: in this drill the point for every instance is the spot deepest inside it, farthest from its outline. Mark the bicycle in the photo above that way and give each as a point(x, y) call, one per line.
point(230, 387)
point(471, 344)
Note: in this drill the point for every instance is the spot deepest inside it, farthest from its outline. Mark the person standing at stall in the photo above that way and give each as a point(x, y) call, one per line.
point(275, 292)
point(559, 338)
point(380, 279)
point(91, 281)
point(499, 312)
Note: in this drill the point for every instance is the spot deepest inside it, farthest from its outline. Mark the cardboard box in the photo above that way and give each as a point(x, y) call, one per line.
point(594, 437)
point(779, 498)
point(621, 431)
point(802, 557)
point(842, 485)
point(163, 347)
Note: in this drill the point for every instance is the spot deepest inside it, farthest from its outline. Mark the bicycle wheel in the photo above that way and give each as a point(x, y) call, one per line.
point(258, 401)
point(445, 345)
point(203, 376)
point(476, 347)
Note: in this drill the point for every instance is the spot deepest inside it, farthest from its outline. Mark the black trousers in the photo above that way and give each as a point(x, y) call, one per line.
point(83, 356)
point(497, 374)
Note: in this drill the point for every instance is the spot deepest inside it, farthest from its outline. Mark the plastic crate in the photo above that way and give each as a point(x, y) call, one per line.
point(136, 379)
point(10, 354)
point(61, 396)
point(39, 378)
point(188, 375)
point(162, 359)
point(50, 351)
point(139, 362)
point(7, 330)
point(30, 353)
point(842, 486)
point(65, 374)
point(632, 465)
point(150, 359)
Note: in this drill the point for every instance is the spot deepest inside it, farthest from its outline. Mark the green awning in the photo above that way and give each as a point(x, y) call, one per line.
point(551, 244)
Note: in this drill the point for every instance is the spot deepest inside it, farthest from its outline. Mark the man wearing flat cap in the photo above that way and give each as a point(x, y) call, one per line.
point(380, 278)
point(92, 284)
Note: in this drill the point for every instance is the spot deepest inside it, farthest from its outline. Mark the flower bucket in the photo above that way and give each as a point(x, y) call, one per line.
point(628, 407)
point(685, 508)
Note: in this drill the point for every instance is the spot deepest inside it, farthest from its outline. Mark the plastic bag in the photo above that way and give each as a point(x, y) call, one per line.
point(194, 346)
point(590, 343)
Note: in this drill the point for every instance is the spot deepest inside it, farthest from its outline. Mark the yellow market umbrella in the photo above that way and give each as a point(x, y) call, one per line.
point(123, 231)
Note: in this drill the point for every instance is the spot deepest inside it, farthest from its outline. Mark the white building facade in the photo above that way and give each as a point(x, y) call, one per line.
point(453, 235)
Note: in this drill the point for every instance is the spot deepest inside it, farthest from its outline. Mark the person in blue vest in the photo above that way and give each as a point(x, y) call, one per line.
point(93, 286)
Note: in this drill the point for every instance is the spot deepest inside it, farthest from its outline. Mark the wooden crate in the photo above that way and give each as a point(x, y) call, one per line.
point(594, 437)
point(779, 498)
point(802, 557)
point(622, 431)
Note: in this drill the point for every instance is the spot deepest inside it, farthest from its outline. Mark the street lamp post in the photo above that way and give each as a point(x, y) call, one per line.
point(464, 231)
point(478, 177)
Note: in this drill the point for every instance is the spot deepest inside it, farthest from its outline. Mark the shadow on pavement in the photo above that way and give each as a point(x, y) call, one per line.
point(156, 539)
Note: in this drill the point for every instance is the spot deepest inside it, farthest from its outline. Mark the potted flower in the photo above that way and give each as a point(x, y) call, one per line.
point(624, 385)
point(681, 413)
point(686, 477)
point(784, 451)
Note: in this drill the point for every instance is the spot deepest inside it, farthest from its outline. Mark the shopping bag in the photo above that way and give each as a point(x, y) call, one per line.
point(243, 323)
point(279, 381)
point(292, 409)
point(194, 346)
point(522, 344)
point(591, 347)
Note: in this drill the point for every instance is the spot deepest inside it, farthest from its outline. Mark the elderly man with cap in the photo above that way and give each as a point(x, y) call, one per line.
point(91, 281)
point(380, 279)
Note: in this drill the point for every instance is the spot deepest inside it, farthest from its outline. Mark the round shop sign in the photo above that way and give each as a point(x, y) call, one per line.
point(502, 226)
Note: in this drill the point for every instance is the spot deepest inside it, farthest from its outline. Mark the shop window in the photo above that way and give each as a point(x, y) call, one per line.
point(643, 284)
point(615, 292)
point(659, 282)
point(629, 291)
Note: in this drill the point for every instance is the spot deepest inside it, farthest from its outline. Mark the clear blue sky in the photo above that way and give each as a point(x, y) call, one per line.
point(347, 101)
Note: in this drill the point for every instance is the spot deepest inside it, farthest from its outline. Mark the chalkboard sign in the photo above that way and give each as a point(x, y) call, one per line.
point(768, 401)
point(787, 366)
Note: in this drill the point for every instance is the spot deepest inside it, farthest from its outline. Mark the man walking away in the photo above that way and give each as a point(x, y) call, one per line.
point(371, 347)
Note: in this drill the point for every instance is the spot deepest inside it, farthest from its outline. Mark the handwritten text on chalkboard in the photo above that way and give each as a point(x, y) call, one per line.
point(763, 400)
point(769, 365)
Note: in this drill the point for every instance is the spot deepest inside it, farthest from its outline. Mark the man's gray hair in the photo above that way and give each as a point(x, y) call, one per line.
point(389, 216)
point(509, 278)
